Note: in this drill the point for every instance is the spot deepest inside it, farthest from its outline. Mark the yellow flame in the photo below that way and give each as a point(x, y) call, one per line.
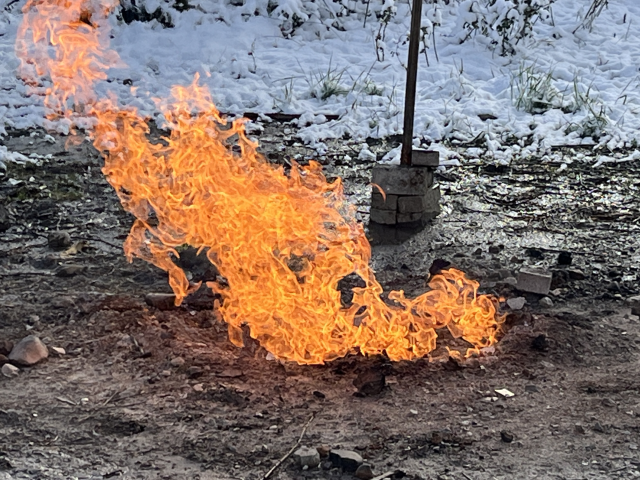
point(282, 241)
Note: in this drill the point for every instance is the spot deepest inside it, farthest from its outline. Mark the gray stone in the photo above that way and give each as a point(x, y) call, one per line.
point(516, 303)
point(307, 457)
point(546, 302)
point(346, 459)
point(409, 217)
point(634, 302)
point(402, 180)
point(425, 158)
point(534, 281)
point(390, 202)
point(29, 351)
point(59, 240)
point(364, 472)
point(383, 217)
point(432, 200)
point(5, 347)
point(161, 301)
point(9, 370)
point(69, 270)
point(177, 362)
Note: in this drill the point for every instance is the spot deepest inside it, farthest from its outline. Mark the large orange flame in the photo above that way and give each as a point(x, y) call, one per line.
point(282, 241)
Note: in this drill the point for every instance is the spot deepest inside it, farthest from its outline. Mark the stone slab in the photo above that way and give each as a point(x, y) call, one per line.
point(379, 202)
point(383, 217)
point(402, 179)
point(432, 201)
point(425, 158)
point(534, 280)
point(409, 217)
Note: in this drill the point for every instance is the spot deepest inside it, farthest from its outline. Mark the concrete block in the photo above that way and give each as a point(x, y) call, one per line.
point(409, 217)
point(411, 204)
point(402, 180)
point(379, 202)
point(383, 217)
point(425, 158)
point(534, 280)
point(432, 201)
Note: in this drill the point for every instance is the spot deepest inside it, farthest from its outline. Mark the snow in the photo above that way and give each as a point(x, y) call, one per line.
point(250, 65)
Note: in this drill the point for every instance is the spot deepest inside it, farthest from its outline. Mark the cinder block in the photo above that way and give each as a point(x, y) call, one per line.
point(409, 217)
point(379, 202)
point(402, 179)
point(432, 201)
point(425, 158)
point(411, 204)
point(383, 217)
point(534, 280)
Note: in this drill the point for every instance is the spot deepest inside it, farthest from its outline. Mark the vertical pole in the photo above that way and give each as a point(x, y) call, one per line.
point(412, 74)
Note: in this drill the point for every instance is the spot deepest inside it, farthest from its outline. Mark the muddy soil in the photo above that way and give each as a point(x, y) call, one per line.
point(145, 393)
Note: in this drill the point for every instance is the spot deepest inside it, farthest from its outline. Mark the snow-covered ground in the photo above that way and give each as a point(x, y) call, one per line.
point(589, 78)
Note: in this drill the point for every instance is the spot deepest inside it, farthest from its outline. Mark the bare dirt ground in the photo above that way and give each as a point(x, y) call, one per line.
point(152, 393)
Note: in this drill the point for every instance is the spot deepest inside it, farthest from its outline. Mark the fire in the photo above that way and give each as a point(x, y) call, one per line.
point(282, 241)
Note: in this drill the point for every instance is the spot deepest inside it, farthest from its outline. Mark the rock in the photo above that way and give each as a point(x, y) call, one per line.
point(540, 343)
point(516, 303)
point(564, 258)
point(59, 350)
point(346, 459)
point(576, 274)
point(177, 362)
point(69, 270)
point(546, 302)
point(579, 429)
point(634, 302)
point(194, 372)
point(364, 472)
point(534, 281)
point(324, 450)
point(161, 301)
point(5, 347)
point(607, 402)
point(369, 382)
point(3, 359)
point(59, 240)
point(29, 351)
point(10, 371)
point(306, 457)
point(507, 437)
point(510, 281)
point(494, 249)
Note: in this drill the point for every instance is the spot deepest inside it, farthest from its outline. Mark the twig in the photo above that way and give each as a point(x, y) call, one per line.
point(466, 476)
point(104, 404)
point(384, 475)
point(66, 400)
point(293, 449)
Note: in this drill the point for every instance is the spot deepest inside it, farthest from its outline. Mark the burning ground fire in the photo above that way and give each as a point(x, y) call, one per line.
point(282, 241)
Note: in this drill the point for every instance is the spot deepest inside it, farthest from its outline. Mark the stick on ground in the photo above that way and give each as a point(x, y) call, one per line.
point(293, 449)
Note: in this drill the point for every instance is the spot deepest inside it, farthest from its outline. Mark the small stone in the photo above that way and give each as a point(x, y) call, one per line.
point(634, 302)
point(198, 387)
point(516, 303)
point(165, 373)
point(59, 350)
point(507, 437)
point(546, 302)
point(540, 343)
point(346, 459)
point(324, 450)
point(69, 270)
point(579, 429)
point(597, 427)
point(477, 252)
point(564, 258)
point(607, 402)
point(10, 371)
point(413, 412)
point(29, 351)
point(510, 281)
point(3, 359)
point(59, 240)
point(307, 457)
point(494, 249)
point(161, 301)
point(534, 281)
point(364, 472)
point(576, 274)
point(177, 362)
point(194, 372)
point(369, 382)
point(5, 347)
